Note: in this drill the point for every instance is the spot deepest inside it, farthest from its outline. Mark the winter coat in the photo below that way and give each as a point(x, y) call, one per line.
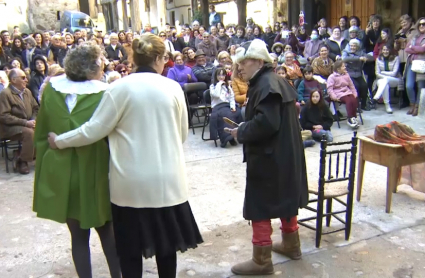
point(416, 51)
point(353, 63)
point(340, 85)
point(370, 39)
point(28, 55)
point(268, 38)
point(209, 49)
point(276, 182)
point(235, 40)
point(321, 68)
point(222, 43)
point(306, 87)
point(115, 54)
point(15, 112)
point(393, 66)
point(37, 78)
point(334, 48)
point(181, 73)
point(204, 73)
point(312, 48)
point(312, 115)
point(401, 39)
point(240, 88)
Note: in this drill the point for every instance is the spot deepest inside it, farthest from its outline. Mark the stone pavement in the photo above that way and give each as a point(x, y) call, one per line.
point(381, 244)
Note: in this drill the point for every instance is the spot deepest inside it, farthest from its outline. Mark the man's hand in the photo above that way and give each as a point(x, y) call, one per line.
point(318, 127)
point(337, 57)
point(189, 77)
point(234, 133)
point(233, 109)
point(51, 138)
point(302, 102)
point(30, 124)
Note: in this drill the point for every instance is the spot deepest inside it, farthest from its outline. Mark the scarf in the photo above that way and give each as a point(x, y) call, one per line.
point(386, 64)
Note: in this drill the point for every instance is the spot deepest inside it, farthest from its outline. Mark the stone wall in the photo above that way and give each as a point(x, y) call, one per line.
point(42, 14)
point(390, 10)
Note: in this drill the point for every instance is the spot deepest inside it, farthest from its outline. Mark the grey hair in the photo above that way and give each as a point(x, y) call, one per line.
point(84, 62)
point(355, 41)
point(288, 52)
point(30, 41)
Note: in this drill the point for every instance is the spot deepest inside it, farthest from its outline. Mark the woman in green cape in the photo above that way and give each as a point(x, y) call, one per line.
point(71, 186)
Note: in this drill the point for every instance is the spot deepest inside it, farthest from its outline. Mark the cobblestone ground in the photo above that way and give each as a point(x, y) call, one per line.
point(381, 244)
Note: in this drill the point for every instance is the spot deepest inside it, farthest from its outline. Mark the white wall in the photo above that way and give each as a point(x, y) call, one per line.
point(180, 8)
point(14, 13)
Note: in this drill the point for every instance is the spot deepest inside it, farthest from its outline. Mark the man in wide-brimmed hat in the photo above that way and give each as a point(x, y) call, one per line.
point(276, 182)
point(202, 70)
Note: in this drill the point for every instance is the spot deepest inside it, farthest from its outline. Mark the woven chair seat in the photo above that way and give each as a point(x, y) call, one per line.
point(332, 190)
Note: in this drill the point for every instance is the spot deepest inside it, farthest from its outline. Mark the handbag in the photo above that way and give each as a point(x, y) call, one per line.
point(418, 66)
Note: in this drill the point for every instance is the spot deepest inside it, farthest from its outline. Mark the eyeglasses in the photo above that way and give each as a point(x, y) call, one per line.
point(422, 24)
point(162, 36)
point(23, 77)
point(123, 71)
point(184, 53)
point(166, 58)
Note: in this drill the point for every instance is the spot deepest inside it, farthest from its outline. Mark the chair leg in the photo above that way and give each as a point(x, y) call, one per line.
point(206, 121)
point(336, 113)
point(319, 220)
point(328, 210)
point(6, 157)
point(349, 214)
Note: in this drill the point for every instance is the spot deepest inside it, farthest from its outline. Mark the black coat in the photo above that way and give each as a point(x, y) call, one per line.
point(268, 38)
point(334, 49)
point(276, 182)
point(115, 54)
point(312, 115)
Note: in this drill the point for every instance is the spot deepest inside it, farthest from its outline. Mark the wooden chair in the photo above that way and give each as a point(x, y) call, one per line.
point(335, 181)
point(207, 113)
point(7, 145)
point(193, 109)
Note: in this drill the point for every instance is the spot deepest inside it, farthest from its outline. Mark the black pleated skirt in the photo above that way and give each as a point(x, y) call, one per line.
point(152, 232)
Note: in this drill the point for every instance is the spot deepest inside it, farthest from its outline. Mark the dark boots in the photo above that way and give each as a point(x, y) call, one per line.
point(415, 110)
point(260, 264)
point(411, 109)
point(290, 246)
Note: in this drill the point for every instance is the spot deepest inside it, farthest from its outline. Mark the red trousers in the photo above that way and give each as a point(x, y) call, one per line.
point(351, 104)
point(262, 230)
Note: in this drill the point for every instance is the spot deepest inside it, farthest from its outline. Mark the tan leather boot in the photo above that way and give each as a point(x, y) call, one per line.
point(290, 246)
point(411, 108)
point(416, 110)
point(260, 264)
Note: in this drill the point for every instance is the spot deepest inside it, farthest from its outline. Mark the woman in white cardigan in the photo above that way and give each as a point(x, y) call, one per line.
point(387, 75)
point(144, 116)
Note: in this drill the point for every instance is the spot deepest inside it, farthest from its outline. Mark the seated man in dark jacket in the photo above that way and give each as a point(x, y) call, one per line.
point(37, 78)
point(115, 51)
point(203, 69)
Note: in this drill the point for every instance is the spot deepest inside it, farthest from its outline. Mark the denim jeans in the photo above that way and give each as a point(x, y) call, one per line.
point(410, 85)
point(318, 134)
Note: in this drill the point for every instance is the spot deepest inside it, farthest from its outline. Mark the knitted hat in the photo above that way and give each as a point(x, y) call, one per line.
point(353, 29)
point(255, 49)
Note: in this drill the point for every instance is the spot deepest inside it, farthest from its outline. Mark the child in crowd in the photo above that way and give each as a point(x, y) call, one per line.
point(317, 117)
point(307, 86)
point(281, 71)
point(223, 105)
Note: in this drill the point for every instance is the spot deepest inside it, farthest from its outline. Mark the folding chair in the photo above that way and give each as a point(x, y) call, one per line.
point(193, 109)
point(7, 145)
point(338, 118)
point(207, 113)
point(335, 181)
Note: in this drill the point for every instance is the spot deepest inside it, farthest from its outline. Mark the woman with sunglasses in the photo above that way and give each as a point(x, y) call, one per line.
point(168, 44)
point(416, 50)
point(122, 70)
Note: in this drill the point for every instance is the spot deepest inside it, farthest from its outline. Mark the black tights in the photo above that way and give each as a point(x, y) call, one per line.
point(133, 267)
point(81, 249)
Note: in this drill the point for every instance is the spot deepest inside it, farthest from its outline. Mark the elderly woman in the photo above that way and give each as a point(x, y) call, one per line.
point(416, 50)
point(115, 51)
point(293, 71)
point(180, 73)
point(167, 43)
point(387, 75)
point(312, 46)
point(71, 186)
point(323, 65)
point(354, 60)
point(150, 208)
point(341, 88)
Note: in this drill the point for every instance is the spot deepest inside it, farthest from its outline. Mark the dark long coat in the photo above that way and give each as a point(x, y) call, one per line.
point(276, 182)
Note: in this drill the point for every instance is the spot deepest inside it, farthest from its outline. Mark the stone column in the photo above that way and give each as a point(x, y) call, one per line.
point(92, 8)
point(161, 14)
point(115, 17)
point(308, 8)
point(293, 12)
point(136, 24)
point(124, 15)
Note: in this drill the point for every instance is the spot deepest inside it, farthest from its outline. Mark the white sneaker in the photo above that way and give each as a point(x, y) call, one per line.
point(352, 122)
point(388, 108)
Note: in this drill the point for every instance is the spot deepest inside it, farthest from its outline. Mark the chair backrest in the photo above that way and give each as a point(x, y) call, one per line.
point(297, 82)
point(337, 165)
point(207, 96)
point(194, 87)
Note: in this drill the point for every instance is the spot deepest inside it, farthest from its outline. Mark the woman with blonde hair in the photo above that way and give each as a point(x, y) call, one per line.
point(145, 118)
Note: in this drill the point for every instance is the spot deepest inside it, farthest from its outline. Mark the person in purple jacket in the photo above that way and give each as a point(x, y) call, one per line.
point(181, 73)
